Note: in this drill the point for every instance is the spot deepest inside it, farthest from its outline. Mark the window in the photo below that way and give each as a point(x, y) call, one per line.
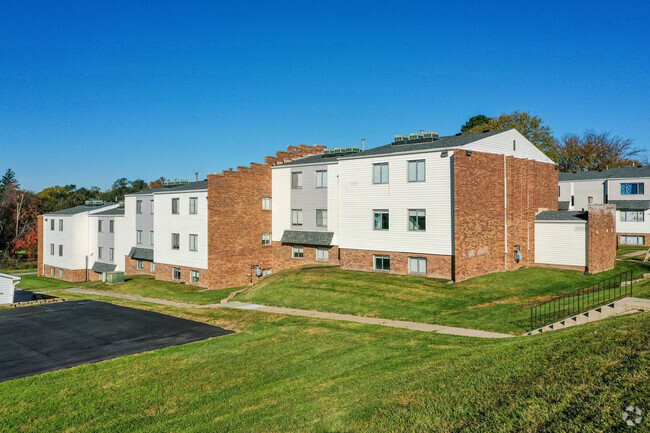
point(417, 220)
point(51, 249)
point(296, 180)
point(53, 272)
point(140, 264)
point(417, 265)
point(52, 222)
point(558, 191)
point(297, 252)
point(266, 203)
point(138, 237)
point(381, 220)
point(176, 273)
point(61, 273)
point(417, 171)
point(194, 277)
point(321, 179)
point(193, 205)
point(382, 263)
point(111, 254)
point(151, 207)
point(151, 237)
point(152, 266)
point(111, 226)
point(176, 241)
point(322, 254)
point(632, 188)
point(573, 201)
point(633, 240)
point(296, 217)
point(321, 217)
point(100, 252)
point(138, 206)
point(266, 239)
point(60, 250)
point(380, 173)
point(194, 242)
point(60, 225)
point(632, 215)
point(175, 206)
point(514, 145)
point(100, 226)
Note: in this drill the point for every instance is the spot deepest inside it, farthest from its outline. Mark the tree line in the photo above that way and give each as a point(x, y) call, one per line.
point(572, 152)
point(19, 209)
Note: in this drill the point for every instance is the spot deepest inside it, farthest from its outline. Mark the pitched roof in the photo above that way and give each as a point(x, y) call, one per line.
point(307, 238)
point(631, 204)
point(118, 211)
point(79, 209)
point(612, 173)
point(441, 143)
point(103, 267)
point(561, 215)
point(141, 253)
point(192, 186)
point(145, 191)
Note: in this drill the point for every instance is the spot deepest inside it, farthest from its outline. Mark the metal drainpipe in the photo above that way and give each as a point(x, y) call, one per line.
point(505, 208)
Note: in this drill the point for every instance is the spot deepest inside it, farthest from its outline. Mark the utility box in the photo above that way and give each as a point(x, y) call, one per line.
point(114, 277)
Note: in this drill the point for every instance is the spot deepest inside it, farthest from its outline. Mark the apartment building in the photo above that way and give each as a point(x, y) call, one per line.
point(623, 187)
point(69, 242)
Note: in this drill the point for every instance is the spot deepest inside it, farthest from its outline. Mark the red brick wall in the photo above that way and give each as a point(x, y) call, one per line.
point(76, 276)
point(236, 220)
point(485, 186)
point(601, 238)
point(438, 266)
point(40, 245)
point(131, 267)
point(164, 272)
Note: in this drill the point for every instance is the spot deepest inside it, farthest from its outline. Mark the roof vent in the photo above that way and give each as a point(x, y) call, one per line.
point(338, 151)
point(94, 202)
point(175, 182)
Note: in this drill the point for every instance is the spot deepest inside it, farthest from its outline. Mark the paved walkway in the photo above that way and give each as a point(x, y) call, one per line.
point(415, 326)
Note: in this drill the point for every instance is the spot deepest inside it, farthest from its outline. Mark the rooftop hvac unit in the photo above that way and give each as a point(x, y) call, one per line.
point(341, 151)
point(401, 139)
point(94, 202)
point(431, 135)
point(415, 136)
point(175, 182)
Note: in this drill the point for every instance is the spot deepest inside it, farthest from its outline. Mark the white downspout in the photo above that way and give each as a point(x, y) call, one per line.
point(505, 207)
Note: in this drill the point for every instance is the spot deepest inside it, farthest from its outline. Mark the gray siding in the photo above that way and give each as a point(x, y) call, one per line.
point(614, 186)
point(144, 221)
point(309, 198)
point(105, 238)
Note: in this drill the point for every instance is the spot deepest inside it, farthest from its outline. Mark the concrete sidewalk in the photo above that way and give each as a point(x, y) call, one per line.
point(414, 326)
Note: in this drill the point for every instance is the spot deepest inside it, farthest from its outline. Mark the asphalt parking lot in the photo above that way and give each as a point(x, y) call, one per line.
point(49, 337)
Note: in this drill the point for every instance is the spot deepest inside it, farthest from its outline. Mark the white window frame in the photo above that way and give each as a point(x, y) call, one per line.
point(321, 178)
point(176, 241)
point(51, 249)
point(625, 240)
point(194, 242)
point(100, 252)
point(640, 188)
point(52, 224)
point(140, 264)
point(174, 272)
point(111, 254)
point(380, 174)
point(194, 205)
point(53, 272)
point(383, 258)
point(381, 212)
point(100, 226)
point(151, 238)
point(629, 216)
point(175, 205)
point(296, 180)
point(60, 250)
point(418, 214)
point(61, 273)
point(323, 217)
point(111, 226)
point(152, 267)
point(418, 265)
point(297, 252)
point(322, 254)
point(151, 207)
point(296, 217)
point(266, 203)
point(60, 225)
point(266, 239)
point(138, 206)
point(138, 237)
point(417, 170)
point(194, 277)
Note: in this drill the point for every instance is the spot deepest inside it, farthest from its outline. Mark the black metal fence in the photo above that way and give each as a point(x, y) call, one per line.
point(580, 301)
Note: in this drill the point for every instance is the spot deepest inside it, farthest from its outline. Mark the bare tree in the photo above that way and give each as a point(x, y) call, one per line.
point(596, 151)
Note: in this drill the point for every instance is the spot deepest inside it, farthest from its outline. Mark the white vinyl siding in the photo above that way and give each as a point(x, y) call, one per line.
point(561, 243)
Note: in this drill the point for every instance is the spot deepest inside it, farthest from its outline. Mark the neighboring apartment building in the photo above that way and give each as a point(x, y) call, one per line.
point(68, 242)
point(623, 187)
point(451, 207)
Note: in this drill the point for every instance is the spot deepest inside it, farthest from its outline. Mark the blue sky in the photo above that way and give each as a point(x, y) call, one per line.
point(94, 91)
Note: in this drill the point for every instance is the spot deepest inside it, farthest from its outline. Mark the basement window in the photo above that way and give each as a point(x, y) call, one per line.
point(381, 263)
point(322, 254)
point(266, 239)
point(176, 273)
point(297, 252)
point(418, 265)
point(194, 277)
point(61, 273)
point(140, 264)
point(53, 272)
point(266, 203)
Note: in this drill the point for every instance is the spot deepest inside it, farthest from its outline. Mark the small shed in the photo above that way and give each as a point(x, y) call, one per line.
point(8, 288)
point(561, 238)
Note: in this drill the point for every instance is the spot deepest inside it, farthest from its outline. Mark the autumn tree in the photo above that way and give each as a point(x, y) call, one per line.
point(531, 127)
point(595, 151)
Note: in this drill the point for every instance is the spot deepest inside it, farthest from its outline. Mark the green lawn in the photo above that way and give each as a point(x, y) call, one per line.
point(626, 249)
point(142, 285)
point(494, 302)
point(18, 271)
point(293, 374)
